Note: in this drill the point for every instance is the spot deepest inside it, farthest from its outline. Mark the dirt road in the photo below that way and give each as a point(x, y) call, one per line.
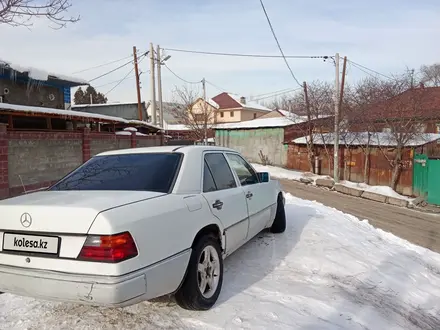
point(417, 227)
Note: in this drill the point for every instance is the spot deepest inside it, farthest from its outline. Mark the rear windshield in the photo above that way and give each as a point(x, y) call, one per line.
point(148, 171)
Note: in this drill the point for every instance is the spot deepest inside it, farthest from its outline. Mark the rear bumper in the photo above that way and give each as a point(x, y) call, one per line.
point(115, 291)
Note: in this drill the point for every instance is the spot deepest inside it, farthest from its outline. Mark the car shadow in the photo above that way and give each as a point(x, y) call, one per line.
point(265, 252)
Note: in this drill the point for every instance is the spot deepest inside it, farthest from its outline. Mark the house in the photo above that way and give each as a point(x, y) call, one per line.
point(29, 86)
point(416, 110)
point(278, 113)
point(267, 136)
point(127, 110)
point(232, 108)
point(35, 99)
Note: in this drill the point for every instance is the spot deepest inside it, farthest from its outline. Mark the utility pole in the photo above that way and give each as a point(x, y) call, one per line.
point(336, 134)
point(91, 99)
point(309, 129)
point(341, 96)
point(152, 86)
point(138, 87)
point(205, 116)
point(159, 86)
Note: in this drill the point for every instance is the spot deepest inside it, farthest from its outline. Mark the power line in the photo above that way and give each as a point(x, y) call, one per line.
point(360, 67)
point(126, 76)
point(119, 67)
point(111, 82)
point(281, 90)
point(101, 65)
point(278, 43)
point(242, 55)
point(275, 95)
point(215, 86)
point(111, 71)
point(175, 74)
point(120, 82)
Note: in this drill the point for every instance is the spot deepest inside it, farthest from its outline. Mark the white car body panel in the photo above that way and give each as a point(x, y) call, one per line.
point(163, 227)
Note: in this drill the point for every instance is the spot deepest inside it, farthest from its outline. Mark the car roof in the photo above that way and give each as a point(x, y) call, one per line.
point(165, 149)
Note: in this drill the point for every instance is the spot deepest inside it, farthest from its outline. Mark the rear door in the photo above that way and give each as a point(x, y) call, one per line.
point(226, 199)
point(258, 195)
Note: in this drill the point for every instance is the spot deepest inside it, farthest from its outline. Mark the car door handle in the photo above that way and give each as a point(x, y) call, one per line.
point(249, 195)
point(218, 204)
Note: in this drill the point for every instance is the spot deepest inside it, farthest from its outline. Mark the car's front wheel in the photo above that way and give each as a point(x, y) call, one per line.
point(204, 278)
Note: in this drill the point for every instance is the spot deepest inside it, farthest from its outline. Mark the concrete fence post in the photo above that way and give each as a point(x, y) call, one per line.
point(86, 144)
point(133, 140)
point(4, 175)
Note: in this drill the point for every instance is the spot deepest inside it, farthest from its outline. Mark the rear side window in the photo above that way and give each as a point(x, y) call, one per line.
point(220, 170)
point(208, 180)
point(147, 172)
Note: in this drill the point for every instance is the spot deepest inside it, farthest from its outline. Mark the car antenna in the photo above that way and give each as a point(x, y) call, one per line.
point(22, 184)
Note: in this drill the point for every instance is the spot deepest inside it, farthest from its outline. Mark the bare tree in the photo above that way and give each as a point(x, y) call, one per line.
point(198, 115)
point(310, 111)
point(21, 12)
point(430, 75)
point(398, 111)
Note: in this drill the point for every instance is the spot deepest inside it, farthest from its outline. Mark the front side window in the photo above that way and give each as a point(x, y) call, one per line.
point(244, 171)
point(220, 170)
point(136, 172)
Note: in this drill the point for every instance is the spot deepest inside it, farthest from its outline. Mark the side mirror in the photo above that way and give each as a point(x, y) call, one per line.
point(264, 176)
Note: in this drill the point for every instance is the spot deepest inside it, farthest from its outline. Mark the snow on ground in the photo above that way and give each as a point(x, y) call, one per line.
point(327, 271)
point(381, 190)
point(281, 173)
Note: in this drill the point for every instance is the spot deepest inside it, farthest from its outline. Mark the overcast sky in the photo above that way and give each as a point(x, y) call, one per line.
point(387, 36)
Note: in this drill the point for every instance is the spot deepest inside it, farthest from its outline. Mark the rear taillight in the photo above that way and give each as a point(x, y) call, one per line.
point(111, 248)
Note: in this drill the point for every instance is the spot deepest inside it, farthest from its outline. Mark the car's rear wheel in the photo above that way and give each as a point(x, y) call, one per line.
point(279, 224)
point(204, 277)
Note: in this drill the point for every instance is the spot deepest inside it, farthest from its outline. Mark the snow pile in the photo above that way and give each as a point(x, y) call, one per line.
point(69, 113)
point(128, 133)
point(130, 129)
point(327, 271)
point(381, 190)
point(39, 74)
point(281, 173)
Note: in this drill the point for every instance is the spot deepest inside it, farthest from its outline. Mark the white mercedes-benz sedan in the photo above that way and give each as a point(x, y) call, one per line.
point(131, 225)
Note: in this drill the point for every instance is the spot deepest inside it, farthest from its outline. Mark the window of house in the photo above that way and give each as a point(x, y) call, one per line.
point(437, 128)
point(232, 114)
point(255, 115)
point(222, 114)
point(199, 117)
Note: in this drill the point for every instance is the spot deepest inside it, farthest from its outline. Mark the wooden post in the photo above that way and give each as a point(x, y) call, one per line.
point(138, 88)
point(4, 175)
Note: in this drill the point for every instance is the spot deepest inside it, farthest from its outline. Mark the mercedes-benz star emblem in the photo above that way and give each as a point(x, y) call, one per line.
point(26, 220)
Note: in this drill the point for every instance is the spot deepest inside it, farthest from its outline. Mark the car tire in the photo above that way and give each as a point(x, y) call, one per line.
point(279, 224)
point(190, 295)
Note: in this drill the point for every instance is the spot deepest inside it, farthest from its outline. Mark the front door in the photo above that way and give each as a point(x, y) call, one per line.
point(257, 194)
point(226, 199)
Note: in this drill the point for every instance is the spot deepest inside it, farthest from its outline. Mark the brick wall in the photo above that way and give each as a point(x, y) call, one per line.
point(100, 142)
point(34, 160)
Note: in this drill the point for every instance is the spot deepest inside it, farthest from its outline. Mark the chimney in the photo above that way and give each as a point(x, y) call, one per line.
point(243, 100)
point(422, 85)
